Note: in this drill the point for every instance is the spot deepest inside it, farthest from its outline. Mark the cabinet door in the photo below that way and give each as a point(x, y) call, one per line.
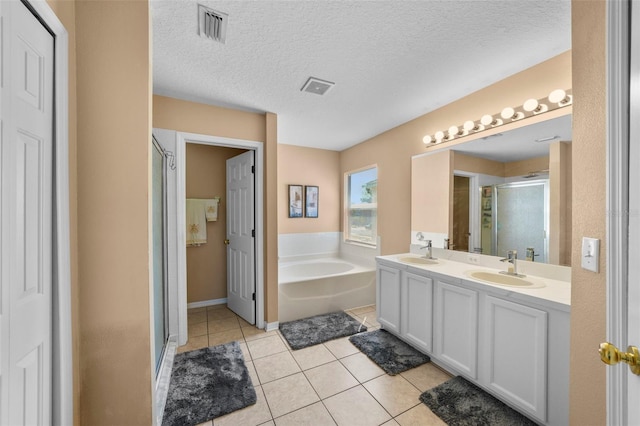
point(417, 308)
point(388, 298)
point(456, 327)
point(516, 354)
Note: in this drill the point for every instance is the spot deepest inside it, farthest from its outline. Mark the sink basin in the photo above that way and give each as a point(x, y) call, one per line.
point(418, 260)
point(502, 279)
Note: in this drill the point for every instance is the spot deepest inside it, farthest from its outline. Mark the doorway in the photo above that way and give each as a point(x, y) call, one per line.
point(220, 261)
point(461, 207)
point(181, 141)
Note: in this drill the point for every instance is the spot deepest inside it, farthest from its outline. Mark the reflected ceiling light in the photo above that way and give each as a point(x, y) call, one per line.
point(471, 126)
point(560, 97)
point(532, 105)
point(510, 114)
point(547, 139)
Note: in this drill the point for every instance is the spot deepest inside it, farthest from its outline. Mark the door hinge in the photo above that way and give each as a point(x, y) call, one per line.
point(253, 233)
point(253, 297)
point(253, 169)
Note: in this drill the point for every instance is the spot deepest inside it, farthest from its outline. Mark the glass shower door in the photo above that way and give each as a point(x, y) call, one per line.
point(161, 330)
point(522, 219)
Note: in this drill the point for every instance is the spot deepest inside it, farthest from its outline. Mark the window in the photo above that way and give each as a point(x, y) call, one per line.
point(362, 206)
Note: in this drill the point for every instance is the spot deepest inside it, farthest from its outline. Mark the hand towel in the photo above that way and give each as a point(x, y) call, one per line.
point(211, 209)
point(196, 222)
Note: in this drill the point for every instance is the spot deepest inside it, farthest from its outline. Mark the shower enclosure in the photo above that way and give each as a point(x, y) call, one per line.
point(160, 325)
point(515, 216)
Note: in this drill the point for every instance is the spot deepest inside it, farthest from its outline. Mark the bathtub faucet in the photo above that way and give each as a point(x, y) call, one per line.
point(427, 247)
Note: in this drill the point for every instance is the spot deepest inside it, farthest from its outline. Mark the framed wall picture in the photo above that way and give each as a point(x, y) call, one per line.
point(311, 201)
point(295, 200)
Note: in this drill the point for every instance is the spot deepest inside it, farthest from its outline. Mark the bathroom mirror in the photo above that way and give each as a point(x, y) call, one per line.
point(506, 191)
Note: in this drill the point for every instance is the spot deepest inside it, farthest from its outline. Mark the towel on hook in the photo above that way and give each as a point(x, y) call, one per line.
point(196, 222)
point(211, 209)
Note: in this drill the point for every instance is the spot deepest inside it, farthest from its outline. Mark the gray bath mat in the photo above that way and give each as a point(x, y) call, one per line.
point(390, 353)
point(208, 383)
point(461, 403)
point(319, 329)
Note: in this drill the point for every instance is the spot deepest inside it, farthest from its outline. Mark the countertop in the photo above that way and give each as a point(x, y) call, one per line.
point(555, 294)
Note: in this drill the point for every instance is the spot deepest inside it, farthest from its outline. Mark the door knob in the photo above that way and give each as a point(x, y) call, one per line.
point(611, 355)
point(226, 242)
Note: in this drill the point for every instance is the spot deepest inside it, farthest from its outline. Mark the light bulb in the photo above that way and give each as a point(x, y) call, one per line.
point(560, 97)
point(439, 135)
point(488, 120)
point(453, 132)
point(510, 114)
point(469, 125)
point(532, 105)
point(427, 140)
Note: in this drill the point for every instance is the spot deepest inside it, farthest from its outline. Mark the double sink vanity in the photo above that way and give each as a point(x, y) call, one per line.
point(507, 334)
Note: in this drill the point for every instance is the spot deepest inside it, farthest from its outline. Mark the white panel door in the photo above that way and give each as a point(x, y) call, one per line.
point(241, 274)
point(26, 77)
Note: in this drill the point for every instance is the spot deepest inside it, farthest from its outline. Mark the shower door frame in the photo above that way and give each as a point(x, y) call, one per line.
point(494, 201)
point(165, 258)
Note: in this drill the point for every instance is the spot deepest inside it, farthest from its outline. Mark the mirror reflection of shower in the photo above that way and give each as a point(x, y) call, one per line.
point(515, 216)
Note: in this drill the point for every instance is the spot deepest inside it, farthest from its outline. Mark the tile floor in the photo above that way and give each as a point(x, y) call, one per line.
point(328, 384)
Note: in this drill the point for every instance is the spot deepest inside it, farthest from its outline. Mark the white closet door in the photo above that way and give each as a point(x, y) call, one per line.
point(26, 174)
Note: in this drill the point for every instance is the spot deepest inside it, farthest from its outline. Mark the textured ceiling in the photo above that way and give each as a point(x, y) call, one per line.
point(391, 61)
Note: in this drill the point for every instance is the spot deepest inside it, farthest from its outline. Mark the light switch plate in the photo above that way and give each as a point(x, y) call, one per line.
point(590, 254)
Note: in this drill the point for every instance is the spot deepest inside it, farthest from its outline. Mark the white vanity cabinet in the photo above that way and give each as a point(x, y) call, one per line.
point(514, 354)
point(511, 344)
point(456, 327)
point(416, 310)
point(388, 298)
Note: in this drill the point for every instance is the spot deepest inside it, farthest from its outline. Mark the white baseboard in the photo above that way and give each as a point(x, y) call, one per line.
point(205, 303)
point(270, 326)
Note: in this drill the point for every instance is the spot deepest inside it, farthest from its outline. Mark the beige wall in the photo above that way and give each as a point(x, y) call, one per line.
point(308, 166)
point(271, 218)
point(588, 293)
point(477, 165)
point(560, 203)
point(392, 150)
point(113, 177)
point(184, 116)
point(431, 192)
point(523, 167)
point(207, 264)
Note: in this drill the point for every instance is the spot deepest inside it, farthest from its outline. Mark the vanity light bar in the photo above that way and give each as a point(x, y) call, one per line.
point(557, 99)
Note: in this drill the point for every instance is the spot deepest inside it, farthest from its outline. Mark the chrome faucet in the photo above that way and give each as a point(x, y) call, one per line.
point(429, 253)
point(512, 257)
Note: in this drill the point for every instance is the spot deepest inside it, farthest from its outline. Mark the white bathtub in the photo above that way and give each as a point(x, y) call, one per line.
point(319, 286)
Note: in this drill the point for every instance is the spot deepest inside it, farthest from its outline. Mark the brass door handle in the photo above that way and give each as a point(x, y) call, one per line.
point(611, 355)
point(226, 242)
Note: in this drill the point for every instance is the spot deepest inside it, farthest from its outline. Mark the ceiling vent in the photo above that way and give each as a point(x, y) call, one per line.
point(317, 86)
point(212, 24)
